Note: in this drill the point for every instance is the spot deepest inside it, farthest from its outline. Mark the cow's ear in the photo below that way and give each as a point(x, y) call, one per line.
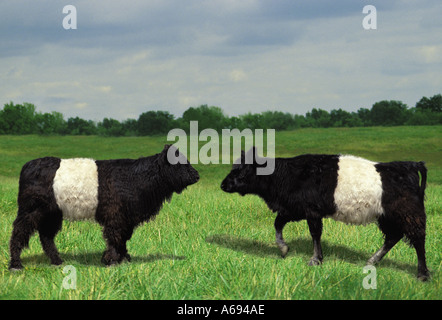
point(173, 149)
point(242, 160)
point(163, 155)
point(174, 155)
point(254, 153)
point(166, 147)
point(256, 156)
point(250, 156)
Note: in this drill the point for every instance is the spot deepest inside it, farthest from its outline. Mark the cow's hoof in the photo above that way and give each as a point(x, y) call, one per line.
point(314, 262)
point(424, 276)
point(284, 250)
point(57, 262)
point(15, 266)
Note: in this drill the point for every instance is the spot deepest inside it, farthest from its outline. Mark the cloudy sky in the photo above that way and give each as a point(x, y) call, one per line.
point(128, 57)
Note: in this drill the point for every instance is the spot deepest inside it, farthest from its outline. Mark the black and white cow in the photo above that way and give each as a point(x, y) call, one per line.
point(342, 187)
point(118, 194)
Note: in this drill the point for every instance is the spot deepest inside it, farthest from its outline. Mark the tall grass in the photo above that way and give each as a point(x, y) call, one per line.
point(206, 244)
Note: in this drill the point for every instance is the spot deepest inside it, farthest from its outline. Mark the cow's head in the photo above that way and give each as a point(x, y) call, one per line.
point(243, 177)
point(179, 171)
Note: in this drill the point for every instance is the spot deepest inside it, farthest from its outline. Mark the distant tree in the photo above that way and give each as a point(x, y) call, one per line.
point(155, 122)
point(130, 127)
point(78, 126)
point(300, 121)
point(433, 104)
point(318, 118)
point(234, 122)
point(110, 127)
point(424, 116)
point(207, 117)
point(50, 123)
point(18, 119)
point(342, 118)
point(389, 113)
point(251, 121)
point(277, 120)
point(364, 115)
point(3, 124)
point(24, 119)
point(355, 120)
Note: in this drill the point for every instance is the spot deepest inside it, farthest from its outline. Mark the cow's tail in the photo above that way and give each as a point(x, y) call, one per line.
point(420, 166)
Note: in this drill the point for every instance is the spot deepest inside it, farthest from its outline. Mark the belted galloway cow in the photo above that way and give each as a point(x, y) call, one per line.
point(342, 187)
point(118, 194)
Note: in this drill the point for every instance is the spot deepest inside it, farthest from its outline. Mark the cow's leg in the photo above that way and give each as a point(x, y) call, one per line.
point(280, 222)
point(123, 249)
point(389, 243)
point(49, 227)
point(422, 271)
point(415, 233)
point(116, 238)
point(389, 228)
point(23, 228)
point(113, 238)
point(315, 227)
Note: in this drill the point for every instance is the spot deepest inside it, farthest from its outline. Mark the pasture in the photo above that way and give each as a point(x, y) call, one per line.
point(207, 244)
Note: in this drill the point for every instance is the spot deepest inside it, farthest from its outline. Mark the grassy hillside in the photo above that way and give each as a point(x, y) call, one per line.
point(207, 244)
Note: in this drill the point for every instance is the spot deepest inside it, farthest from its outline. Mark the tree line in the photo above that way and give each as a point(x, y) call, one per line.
point(23, 118)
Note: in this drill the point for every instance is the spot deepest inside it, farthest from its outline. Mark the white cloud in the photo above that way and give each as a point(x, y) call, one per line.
point(431, 54)
point(104, 89)
point(237, 75)
point(81, 105)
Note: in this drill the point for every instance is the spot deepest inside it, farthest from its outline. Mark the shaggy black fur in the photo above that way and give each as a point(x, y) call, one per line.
point(403, 202)
point(303, 188)
point(130, 192)
point(37, 210)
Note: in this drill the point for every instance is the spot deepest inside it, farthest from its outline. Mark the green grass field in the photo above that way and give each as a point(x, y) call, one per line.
point(207, 244)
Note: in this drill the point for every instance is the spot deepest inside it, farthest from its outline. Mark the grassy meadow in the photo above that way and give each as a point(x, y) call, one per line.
point(207, 244)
